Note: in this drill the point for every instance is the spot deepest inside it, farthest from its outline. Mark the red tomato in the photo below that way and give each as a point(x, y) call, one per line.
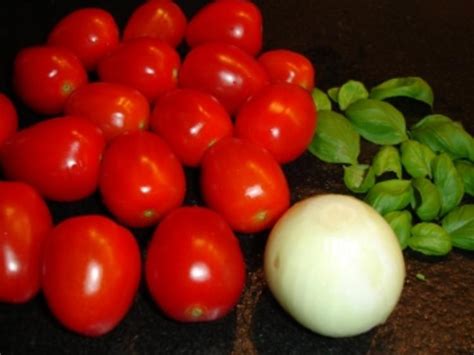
point(88, 32)
point(141, 179)
point(225, 71)
point(161, 19)
point(146, 64)
point(245, 184)
point(283, 65)
point(235, 22)
point(115, 108)
point(281, 118)
point(190, 121)
point(91, 271)
point(194, 267)
point(8, 118)
point(44, 77)
point(60, 157)
point(24, 223)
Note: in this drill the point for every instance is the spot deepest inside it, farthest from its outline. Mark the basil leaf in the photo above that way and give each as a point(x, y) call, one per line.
point(401, 223)
point(335, 140)
point(390, 195)
point(387, 159)
point(412, 87)
point(448, 182)
point(466, 170)
point(359, 178)
point(459, 223)
point(443, 135)
point(428, 205)
point(430, 239)
point(377, 121)
point(321, 100)
point(333, 94)
point(351, 92)
point(416, 158)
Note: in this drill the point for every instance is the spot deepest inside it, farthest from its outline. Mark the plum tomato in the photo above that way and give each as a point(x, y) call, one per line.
point(25, 221)
point(225, 71)
point(194, 267)
point(8, 118)
point(44, 77)
point(190, 121)
point(161, 19)
point(245, 184)
point(281, 118)
point(146, 64)
point(115, 108)
point(90, 33)
point(60, 157)
point(91, 272)
point(141, 179)
point(283, 65)
point(235, 22)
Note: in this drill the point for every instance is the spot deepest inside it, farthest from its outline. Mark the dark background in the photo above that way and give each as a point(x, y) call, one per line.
point(370, 41)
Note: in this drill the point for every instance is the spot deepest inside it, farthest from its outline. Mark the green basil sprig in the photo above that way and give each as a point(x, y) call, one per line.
point(416, 158)
point(377, 121)
point(321, 100)
point(430, 239)
point(448, 181)
point(412, 87)
point(359, 178)
point(466, 170)
point(459, 223)
point(335, 140)
point(390, 195)
point(386, 160)
point(428, 205)
point(401, 223)
point(350, 92)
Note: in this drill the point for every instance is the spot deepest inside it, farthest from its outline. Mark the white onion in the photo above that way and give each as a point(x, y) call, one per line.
point(335, 265)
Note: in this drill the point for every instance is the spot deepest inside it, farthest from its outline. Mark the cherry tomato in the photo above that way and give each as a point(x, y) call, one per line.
point(115, 108)
point(141, 179)
point(194, 268)
point(60, 157)
point(91, 271)
point(245, 184)
point(161, 19)
point(24, 223)
point(190, 121)
point(235, 22)
point(88, 32)
point(225, 71)
point(8, 118)
point(146, 64)
point(280, 118)
point(283, 65)
point(44, 77)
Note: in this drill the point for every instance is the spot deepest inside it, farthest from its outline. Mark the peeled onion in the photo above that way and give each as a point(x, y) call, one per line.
point(335, 265)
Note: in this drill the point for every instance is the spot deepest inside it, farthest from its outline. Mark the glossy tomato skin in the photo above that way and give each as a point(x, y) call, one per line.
point(8, 118)
point(236, 22)
point(281, 118)
point(194, 267)
point(115, 108)
point(90, 33)
point(225, 71)
point(141, 179)
point(190, 121)
point(91, 271)
point(25, 222)
point(44, 77)
point(245, 184)
point(160, 19)
point(146, 64)
point(60, 157)
point(286, 66)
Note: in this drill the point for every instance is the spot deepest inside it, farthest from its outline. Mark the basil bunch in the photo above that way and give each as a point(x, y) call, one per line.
point(430, 167)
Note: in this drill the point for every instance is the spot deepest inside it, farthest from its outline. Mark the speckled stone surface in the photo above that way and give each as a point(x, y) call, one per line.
point(367, 40)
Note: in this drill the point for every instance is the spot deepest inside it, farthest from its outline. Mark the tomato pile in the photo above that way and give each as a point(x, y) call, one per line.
point(126, 115)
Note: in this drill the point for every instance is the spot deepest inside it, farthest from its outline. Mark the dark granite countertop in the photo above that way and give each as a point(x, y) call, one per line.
point(366, 40)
